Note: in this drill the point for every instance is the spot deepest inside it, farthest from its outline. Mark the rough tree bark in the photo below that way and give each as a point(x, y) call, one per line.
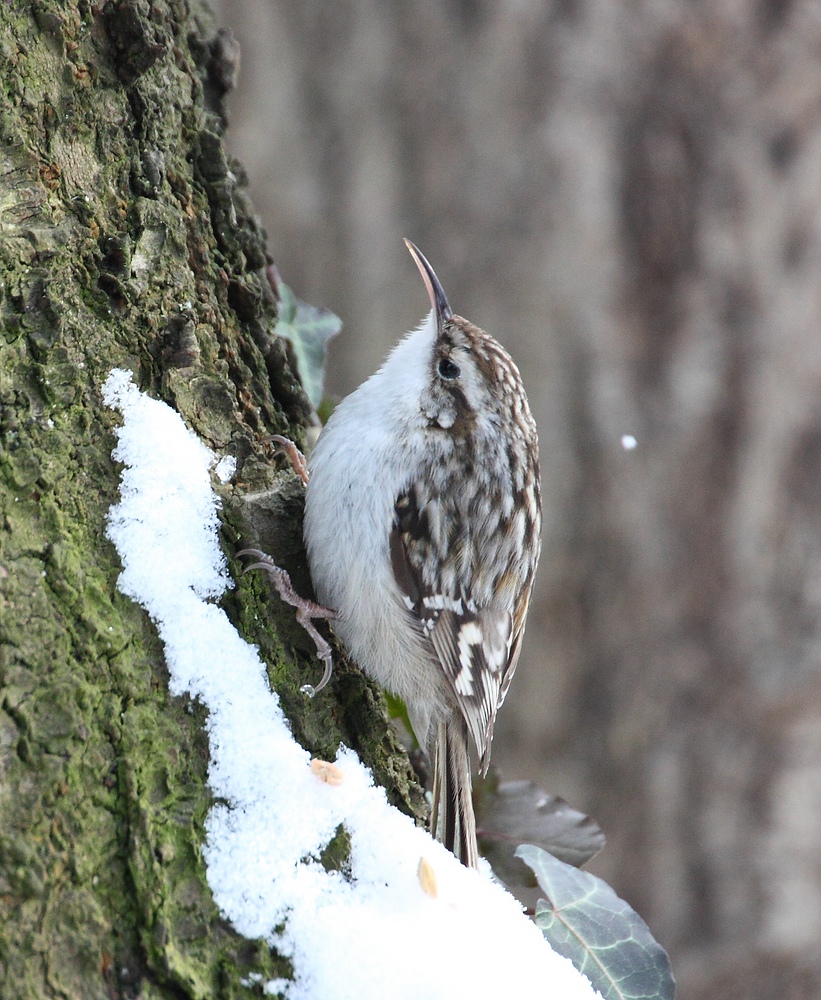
point(627, 194)
point(126, 240)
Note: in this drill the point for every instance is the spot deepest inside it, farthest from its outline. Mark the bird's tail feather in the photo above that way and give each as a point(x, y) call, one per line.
point(452, 820)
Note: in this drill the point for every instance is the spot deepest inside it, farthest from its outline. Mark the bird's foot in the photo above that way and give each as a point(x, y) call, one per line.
point(306, 611)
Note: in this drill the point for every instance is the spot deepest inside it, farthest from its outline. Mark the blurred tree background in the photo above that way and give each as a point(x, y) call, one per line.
point(628, 195)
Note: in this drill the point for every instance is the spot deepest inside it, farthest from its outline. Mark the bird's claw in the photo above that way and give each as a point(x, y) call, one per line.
point(306, 611)
point(285, 446)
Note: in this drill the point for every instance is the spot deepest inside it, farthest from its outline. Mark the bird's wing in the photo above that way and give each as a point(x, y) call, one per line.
point(476, 647)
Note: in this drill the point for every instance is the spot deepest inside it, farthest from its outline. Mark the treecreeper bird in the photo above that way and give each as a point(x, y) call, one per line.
point(422, 527)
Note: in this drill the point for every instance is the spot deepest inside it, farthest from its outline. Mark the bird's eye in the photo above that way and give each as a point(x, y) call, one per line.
point(448, 369)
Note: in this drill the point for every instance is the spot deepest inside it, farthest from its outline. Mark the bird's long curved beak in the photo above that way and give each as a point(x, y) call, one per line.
point(436, 293)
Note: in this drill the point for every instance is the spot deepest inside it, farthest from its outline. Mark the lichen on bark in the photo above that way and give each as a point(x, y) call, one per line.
point(127, 241)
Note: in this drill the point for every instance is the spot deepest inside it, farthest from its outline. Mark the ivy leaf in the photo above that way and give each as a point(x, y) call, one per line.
point(584, 920)
point(308, 329)
point(509, 813)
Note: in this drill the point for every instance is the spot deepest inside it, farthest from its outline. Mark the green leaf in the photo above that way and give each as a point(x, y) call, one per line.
point(287, 303)
point(308, 329)
point(509, 813)
point(398, 710)
point(584, 920)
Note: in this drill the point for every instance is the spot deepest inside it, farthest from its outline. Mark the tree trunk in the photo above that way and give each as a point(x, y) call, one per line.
point(627, 195)
point(126, 241)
